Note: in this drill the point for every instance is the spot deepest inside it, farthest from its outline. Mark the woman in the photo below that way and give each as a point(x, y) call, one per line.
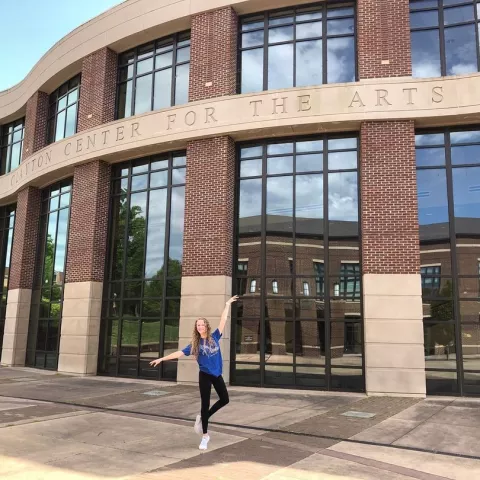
point(206, 349)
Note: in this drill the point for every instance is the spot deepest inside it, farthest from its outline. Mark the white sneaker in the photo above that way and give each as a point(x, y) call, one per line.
point(198, 425)
point(204, 443)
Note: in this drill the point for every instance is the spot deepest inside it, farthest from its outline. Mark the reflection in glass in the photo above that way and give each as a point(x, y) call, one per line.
point(457, 36)
point(439, 342)
point(341, 60)
point(280, 67)
point(147, 267)
point(308, 69)
point(426, 54)
point(47, 295)
point(252, 71)
point(159, 82)
point(163, 89)
point(280, 271)
point(181, 84)
point(432, 204)
point(62, 121)
point(291, 52)
point(7, 220)
point(460, 50)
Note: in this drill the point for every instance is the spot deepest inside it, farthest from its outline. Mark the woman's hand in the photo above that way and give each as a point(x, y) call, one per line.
point(156, 362)
point(233, 299)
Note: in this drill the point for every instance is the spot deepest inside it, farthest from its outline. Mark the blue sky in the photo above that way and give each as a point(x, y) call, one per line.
point(28, 28)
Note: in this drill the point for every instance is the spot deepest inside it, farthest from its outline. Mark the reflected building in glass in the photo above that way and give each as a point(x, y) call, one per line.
point(320, 160)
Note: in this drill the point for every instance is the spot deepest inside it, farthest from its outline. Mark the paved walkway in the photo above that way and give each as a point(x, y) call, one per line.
point(60, 427)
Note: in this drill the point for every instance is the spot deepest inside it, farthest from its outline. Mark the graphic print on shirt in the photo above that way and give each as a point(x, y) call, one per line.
point(209, 350)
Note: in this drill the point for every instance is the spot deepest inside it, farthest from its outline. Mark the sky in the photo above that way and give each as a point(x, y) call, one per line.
point(28, 28)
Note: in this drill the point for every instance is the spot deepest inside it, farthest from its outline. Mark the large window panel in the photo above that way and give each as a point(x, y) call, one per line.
point(444, 37)
point(47, 296)
point(63, 110)
point(141, 311)
point(11, 145)
point(298, 268)
point(7, 224)
point(154, 76)
point(299, 47)
point(448, 179)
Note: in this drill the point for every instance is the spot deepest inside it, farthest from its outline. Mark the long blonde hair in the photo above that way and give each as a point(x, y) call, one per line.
point(196, 336)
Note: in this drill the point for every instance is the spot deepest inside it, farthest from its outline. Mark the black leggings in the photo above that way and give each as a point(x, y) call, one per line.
point(205, 382)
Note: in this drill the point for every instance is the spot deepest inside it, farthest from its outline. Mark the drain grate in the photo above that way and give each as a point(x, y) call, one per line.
point(155, 393)
point(354, 414)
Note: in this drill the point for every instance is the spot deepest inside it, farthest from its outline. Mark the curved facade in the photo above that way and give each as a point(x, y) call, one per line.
point(319, 159)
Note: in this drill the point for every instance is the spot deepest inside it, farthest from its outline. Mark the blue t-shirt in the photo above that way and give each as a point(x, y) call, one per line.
point(209, 356)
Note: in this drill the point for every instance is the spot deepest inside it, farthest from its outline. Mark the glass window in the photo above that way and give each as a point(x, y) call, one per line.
point(444, 37)
point(448, 189)
point(154, 76)
point(140, 319)
point(63, 110)
point(7, 224)
point(304, 272)
point(11, 145)
point(299, 47)
point(47, 296)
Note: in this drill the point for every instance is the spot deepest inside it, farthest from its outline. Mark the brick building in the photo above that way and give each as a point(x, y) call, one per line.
point(319, 159)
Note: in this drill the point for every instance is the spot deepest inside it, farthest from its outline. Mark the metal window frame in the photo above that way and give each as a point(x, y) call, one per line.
point(323, 7)
point(53, 111)
point(40, 268)
point(6, 243)
point(326, 297)
point(441, 27)
point(105, 357)
point(456, 299)
point(176, 38)
point(6, 165)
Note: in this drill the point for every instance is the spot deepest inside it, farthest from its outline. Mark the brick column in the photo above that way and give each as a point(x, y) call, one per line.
point(384, 46)
point(35, 124)
point(87, 244)
point(208, 242)
point(98, 90)
point(22, 271)
point(394, 356)
point(209, 200)
point(213, 58)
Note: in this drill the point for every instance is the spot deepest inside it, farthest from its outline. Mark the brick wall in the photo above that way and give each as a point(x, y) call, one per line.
point(383, 29)
point(35, 124)
point(97, 95)
point(209, 207)
point(87, 241)
point(213, 58)
point(390, 232)
point(25, 239)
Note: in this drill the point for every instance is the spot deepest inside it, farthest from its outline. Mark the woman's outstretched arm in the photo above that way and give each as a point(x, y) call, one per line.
point(226, 310)
point(172, 356)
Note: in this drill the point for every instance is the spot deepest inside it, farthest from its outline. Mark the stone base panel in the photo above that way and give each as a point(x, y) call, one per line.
point(79, 341)
point(394, 345)
point(16, 327)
